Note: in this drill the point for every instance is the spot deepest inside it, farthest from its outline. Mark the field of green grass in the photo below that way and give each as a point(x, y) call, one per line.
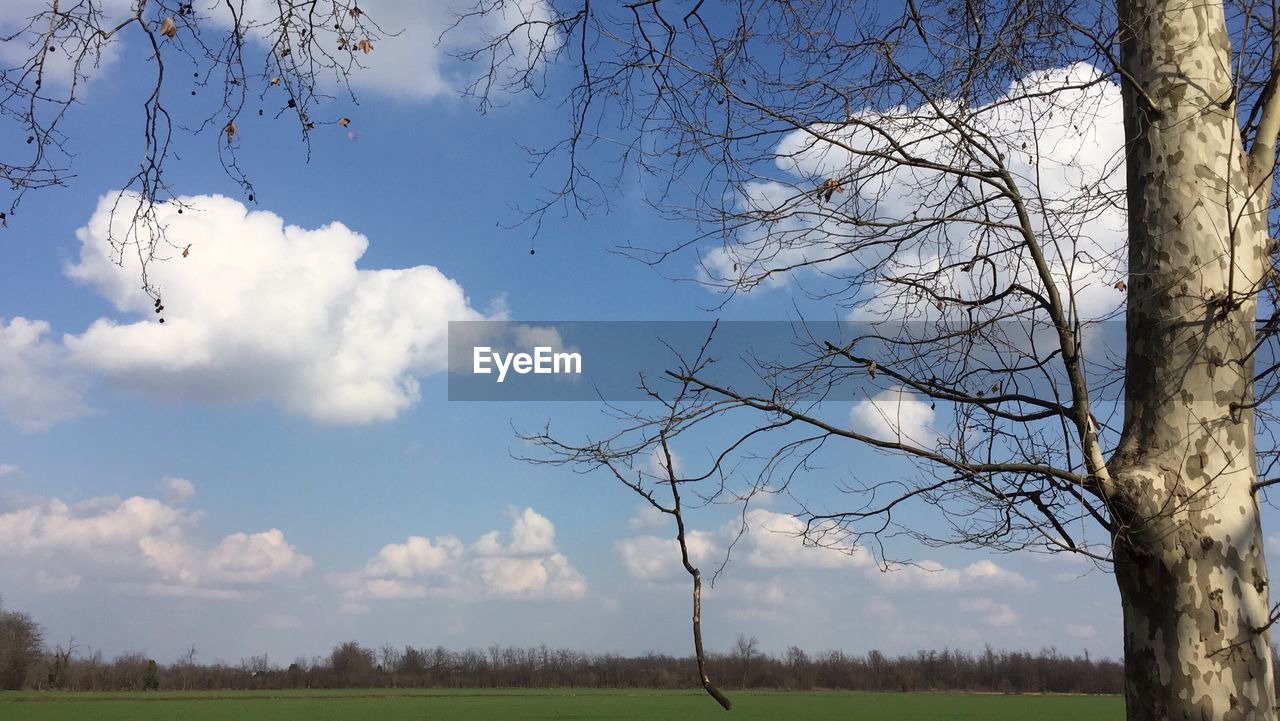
point(549, 705)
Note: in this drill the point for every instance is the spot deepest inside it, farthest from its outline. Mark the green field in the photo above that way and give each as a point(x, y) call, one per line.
point(551, 705)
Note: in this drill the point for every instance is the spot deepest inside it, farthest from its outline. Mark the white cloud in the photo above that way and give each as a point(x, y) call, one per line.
point(261, 309)
point(1081, 631)
point(994, 613)
point(139, 541)
point(412, 61)
point(198, 592)
point(531, 533)
point(251, 558)
point(416, 64)
point(650, 558)
point(770, 540)
point(989, 573)
point(417, 556)
point(96, 527)
point(1079, 135)
point(546, 577)
point(239, 558)
point(8, 469)
point(59, 66)
point(776, 540)
point(37, 389)
point(895, 414)
point(54, 582)
point(280, 622)
point(177, 490)
point(526, 567)
point(656, 464)
point(769, 592)
point(933, 576)
point(881, 608)
point(647, 517)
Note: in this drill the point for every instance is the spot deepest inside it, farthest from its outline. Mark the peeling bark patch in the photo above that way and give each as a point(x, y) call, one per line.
point(1215, 604)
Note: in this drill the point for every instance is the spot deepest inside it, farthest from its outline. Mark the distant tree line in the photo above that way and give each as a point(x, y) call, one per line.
point(26, 663)
point(351, 665)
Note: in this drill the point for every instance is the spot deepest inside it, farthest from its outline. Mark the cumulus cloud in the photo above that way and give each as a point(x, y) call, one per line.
point(1062, 137)
point(416, 557)
point(59, 70)
point(139, 541)
point(531, 534)
point(656, 463)
point(177, 490)
point(280, 622)
point(1273, 543)
point(520, 564)
point(777, 540)
point(770, 592)
point(768, 540)
point(417, 64)
point(933, 576)
point(895, 414)
point(647, 517)
point(1083, 631)
point(240, 558)
point(54, 582)
point(993, 613)
point(262, 309)
point(650, 558)
point(881, 608)
point(37, 387)
point(416, 60)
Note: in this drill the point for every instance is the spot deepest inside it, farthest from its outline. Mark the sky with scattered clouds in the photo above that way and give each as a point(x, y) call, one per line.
point(277, 469)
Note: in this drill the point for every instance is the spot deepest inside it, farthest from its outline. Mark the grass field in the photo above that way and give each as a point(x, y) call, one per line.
point(551, 705)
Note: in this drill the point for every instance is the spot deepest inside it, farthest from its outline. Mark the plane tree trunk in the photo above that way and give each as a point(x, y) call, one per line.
point(1188, 542)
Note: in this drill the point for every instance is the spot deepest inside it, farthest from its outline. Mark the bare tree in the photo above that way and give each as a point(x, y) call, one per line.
point(60, 664)
point(352, 664)
point(186, 667)
point(745, 651)
point(937, 169)
point(390, 661)
point(21, 647)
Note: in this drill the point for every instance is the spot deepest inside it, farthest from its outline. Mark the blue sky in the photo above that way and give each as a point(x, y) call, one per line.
point(292, 530)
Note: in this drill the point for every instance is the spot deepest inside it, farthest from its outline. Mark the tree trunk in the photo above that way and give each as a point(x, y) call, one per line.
point(1188, 542)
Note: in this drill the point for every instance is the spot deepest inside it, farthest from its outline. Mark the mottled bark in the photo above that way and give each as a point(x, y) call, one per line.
point(1188, 541)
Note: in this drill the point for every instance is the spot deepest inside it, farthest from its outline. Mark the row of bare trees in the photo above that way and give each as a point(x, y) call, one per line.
point(351, 665)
